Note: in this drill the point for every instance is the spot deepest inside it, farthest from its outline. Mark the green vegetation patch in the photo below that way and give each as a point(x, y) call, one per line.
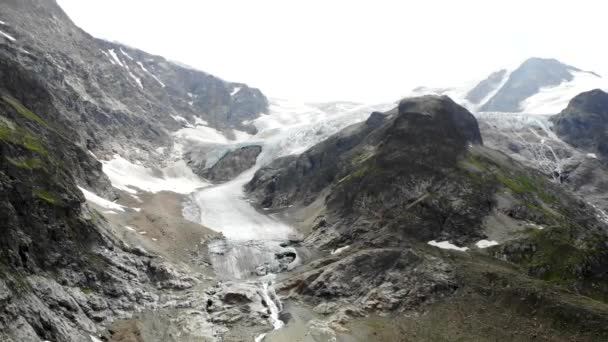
point(46, 196)
point(26, 163)
point(87, 290)
point(21, 109)
point(23, 138)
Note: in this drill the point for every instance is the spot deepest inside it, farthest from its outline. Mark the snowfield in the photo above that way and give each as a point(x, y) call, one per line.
point(100, 201)
point(548, 100)
point(552, 100)
point(129, 177)
point(447, 245)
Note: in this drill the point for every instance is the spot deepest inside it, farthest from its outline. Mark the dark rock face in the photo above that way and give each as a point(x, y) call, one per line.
point(63, 93)
point(52, 247)
point(422, 175)
point(382, 270)
point(232, 164)
point(378, 167)
point(113, 96)
point(485, 87)
point(414, 130)
point(526, 81)
point(584, 123)
point(441, 115)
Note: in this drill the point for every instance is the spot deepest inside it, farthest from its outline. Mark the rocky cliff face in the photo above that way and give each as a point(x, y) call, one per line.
point(60, 270)
point(64, 272)
point(584, 123)
point(232, 164)
point(393, 184)
point(117, 98)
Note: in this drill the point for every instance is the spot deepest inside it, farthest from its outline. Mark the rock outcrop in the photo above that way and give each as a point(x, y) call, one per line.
point(232, 164)
point(584, 123)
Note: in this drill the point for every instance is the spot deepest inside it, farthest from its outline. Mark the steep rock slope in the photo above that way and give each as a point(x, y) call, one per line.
point(66, 273)
point(398, 182)
point(584, 123)
point(232, 164)
point(61, 272)
point(117, 98)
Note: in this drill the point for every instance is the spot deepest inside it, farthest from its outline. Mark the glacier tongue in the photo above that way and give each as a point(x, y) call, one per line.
point(253, 239)
point(288, 129)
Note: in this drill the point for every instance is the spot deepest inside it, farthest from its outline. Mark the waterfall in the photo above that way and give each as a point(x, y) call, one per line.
point(274, 306)
point(273, 303)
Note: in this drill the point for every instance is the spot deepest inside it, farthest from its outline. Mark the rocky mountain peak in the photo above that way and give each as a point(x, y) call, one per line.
point(442, 113)
point(525, 81)
point(536, 86)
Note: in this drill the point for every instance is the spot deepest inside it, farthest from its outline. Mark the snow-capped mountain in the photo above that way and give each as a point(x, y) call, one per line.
point(537, 86)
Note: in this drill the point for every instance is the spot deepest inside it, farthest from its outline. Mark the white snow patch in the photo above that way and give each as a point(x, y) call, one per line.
point(535, 226)
point(182, 120)
point(95, 339)
point(136, 198)
point(339, 250)
point(177, 177)
point(143, 232)
point(600, 214)
point(592, 155)
point(115, 57)
point(130, 228)
point(109, 57)
point(8, 36)
point(552, 100)
point(235, 91)
point(154, 239)
point(199, 121)
point(158, 80)
point(190, 103)
point(141, 65)
point(202, 134)
point(447, 245)
point(126, 54)
point(485, 243)
point(241, 135)
point(137, 79)
point(190, 95)
point(92, 154)
point(260, 338)
point(3, 23)
point(100, 201)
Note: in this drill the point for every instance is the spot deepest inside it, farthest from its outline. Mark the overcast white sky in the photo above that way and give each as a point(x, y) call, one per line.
point(372, 51)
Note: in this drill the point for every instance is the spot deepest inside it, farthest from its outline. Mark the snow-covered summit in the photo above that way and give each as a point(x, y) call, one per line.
point(537, 86)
